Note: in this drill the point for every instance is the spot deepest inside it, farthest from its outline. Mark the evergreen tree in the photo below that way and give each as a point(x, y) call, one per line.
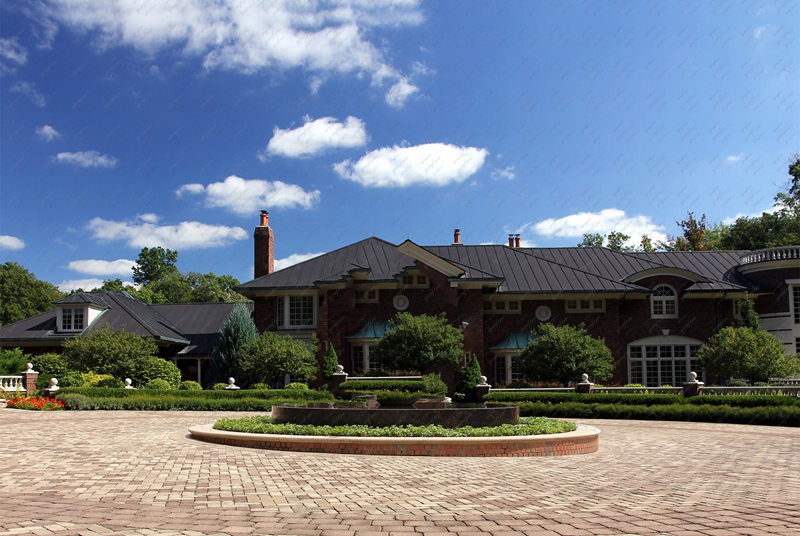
point(329, 362)
point(471, 373)
point(237, 331)
point(749, 316)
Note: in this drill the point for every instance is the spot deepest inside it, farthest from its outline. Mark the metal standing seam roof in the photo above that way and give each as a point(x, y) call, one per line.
point(514, 340)
point(200, 323)
point(372, 329)
point(523, 270)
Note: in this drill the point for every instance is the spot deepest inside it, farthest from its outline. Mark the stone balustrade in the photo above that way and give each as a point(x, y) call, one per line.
point(11, 384)
point(770, 254)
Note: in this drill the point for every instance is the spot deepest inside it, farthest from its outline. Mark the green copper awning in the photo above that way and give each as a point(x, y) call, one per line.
point(514, 340)
point(374, 329)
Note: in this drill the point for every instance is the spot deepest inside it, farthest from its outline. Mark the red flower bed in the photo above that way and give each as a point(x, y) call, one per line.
point(38, 403)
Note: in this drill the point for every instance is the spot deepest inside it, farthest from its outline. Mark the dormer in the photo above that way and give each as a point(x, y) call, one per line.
point(76, 312)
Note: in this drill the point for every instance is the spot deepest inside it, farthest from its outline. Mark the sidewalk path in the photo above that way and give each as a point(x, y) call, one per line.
point(136, 473)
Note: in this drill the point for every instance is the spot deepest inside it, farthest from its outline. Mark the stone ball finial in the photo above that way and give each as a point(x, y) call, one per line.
point(584, 378)
point(29, 367)
point(128, 383)
point(53, 383)
point(231, 384)
point(231, 381)
point(482, 380)
point(693, 376)
point(339, 369)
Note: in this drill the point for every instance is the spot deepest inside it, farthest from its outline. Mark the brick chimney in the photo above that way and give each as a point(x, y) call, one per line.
point(264, 247)
point(516, 241)
point(511, 240)
point(457, 237)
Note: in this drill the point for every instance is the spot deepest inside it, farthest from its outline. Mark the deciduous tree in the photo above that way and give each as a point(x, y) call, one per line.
point(22, 295)
point(419, 343)
point(271, 357)
point(742, 352)
point(564, 353)
point(106, 351)
point(154, 264)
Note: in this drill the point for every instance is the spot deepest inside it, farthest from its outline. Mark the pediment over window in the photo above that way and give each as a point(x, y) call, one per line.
point(666, 271)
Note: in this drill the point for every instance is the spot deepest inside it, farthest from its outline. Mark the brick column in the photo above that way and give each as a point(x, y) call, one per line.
point(29, 377)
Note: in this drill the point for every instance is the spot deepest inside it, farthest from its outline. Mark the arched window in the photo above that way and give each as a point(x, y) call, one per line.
point(664, 302)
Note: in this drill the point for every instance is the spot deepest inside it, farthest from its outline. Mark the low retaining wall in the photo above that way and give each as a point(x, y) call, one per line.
point(447, 417)
point(582, 441)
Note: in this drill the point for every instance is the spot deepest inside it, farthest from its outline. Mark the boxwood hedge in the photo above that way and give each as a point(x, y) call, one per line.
point(291, 394)
point(382, 385)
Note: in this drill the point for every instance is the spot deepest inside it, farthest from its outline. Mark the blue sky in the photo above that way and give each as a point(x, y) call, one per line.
point(143, 123)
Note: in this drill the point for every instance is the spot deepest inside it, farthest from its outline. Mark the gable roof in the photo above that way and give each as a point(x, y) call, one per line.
point(520, 270)
point(193, 327)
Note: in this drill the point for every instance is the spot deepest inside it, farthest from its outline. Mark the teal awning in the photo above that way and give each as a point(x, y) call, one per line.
point(374, 329)
point(514, 340)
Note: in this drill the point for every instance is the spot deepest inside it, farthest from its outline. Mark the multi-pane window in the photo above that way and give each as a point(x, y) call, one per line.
point(295, 312)
point(422, 280)
point(513, 306)
point(414, 280)
point(364, 296)
point(72, 319)
point(363, 356)
point(585, 306)
point(654, 366)
point(501, 306)
point(664, 303)
point(507, 369)
point(408, 279)
point(487, 306)
point(796, 303)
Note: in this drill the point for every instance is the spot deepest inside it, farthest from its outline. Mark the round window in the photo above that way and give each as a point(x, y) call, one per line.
point(400, 302)
point(543, 313)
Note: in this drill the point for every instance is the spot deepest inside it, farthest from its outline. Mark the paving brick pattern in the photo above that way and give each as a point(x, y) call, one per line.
point(136, 473)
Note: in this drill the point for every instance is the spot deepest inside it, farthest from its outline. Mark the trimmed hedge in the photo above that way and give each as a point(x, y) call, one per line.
point(772, 415)
point(382, 385)
point(748, 401)
point(579, 398)
point(169, 402)
point(283, 394)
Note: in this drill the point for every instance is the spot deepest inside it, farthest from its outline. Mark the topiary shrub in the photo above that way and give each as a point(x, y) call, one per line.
point(159, 384)
point(190, 386)
point(219, 386)
point(92, 379)
point(432, 383)
point(296, 385)
point(259, 386)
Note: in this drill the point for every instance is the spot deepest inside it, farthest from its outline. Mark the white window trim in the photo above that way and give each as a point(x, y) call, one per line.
point(665, 299)
point(62, 310)
point(415, 284)
point(365, 345)
point(286, 315)
point(659, 342)
point(366, 292)
point(579, 309)
point(505, 311)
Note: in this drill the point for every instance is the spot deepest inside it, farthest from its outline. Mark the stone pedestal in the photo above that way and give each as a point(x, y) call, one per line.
point(692, 387)
point(585, 386)
point(482, 388)
point(339, 377)
point(29, 377)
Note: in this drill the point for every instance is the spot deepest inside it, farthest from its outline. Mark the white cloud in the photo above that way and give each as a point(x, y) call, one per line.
point(185, 235)
point(319, 37)
point(12, 55)
point(28, 89)
point(294, 258)
point(87, 159)
point(245, 197)
point(732, 220)
point(316, 136)
point(75, 284)
point(759, 32)
point(435, 164)
point(11, 242)
point(505, 173)
point(119, 267)
point(400, 92)
point(47, 133)
point(733, 158)
point(603, 222)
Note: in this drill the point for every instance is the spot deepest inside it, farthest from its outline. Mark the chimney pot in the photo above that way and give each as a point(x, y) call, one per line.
point(516, 241)
point(264, 218)
point(457, 237)
point(511, 240)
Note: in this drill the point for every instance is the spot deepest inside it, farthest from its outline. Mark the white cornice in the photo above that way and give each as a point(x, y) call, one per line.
point(662, 271)
point(421, 254)
point(769, 265)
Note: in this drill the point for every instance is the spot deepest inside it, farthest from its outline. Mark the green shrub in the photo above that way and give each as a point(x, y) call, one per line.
point(296, 385)
point(220, 386)
point(738, 383)
point(159, 384)
point(432, 383)
point(382, 385)
point(172, 400)
point(48, 366)
point(111, 382)
point(283, 394)
point(12, 361)
point(92, 379)
point(190, 385)
point(156, 368)
point(519, 385)
point(625, 399)
point(259, 386)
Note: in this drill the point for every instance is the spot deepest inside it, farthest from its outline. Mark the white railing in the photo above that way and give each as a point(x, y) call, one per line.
point(12, 384)
point(777, 390)
point(790, 390)
point(770, 254)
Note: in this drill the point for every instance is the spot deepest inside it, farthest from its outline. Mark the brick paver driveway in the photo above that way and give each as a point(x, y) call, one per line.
point(138, 473)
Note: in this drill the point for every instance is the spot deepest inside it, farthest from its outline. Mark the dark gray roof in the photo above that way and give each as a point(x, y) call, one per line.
point(522, 270)
point(120, 310)
point(377, 257)
point(198, 322)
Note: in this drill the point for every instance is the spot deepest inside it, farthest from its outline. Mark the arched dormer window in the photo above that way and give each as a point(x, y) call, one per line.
point(664, 302)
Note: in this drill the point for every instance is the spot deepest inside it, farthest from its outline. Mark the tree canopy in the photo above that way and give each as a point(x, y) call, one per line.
point(564, 353)
point(420, 342)
point(105, 351)
point(22, 295)
point(270, 357)
point(154, 264)
point(743, 352)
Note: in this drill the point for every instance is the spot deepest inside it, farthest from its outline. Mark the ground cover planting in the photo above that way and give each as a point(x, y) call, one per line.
point(526, 426)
